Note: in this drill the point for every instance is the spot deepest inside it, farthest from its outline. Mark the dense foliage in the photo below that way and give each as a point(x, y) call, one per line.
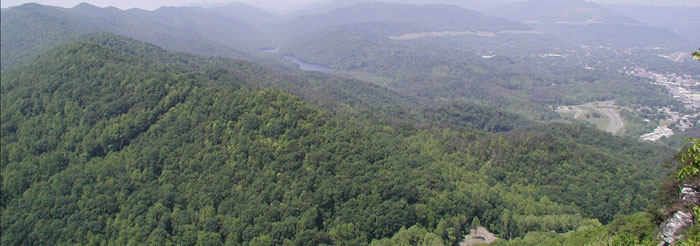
point(691, 160)
point(101, 145)
point(641, 228)
point(408, 141)
point(31, 29)
point(26, 34)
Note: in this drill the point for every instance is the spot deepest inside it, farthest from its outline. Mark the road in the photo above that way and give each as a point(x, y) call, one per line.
point(616, 123)
point(609, 109)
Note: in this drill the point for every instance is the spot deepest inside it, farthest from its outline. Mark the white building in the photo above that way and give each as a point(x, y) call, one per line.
point(658, 133)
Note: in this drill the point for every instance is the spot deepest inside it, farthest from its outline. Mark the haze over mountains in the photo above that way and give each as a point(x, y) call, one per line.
point(346, 123)
point(241, 24)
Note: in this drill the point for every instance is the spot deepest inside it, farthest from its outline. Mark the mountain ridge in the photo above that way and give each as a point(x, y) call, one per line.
point(200, 156)
point(433, 17)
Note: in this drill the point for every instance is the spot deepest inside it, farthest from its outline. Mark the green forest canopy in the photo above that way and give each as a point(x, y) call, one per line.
point(102, 146)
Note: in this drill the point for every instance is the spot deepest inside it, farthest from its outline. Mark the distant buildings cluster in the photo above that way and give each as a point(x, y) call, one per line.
point(679, 86)
point(658, 133)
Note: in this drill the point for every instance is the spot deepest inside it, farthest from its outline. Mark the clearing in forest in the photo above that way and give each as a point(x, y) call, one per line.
point(604, 115)
point(480, 236)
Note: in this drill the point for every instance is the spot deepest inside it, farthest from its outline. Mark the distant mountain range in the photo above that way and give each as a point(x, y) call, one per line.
point(587, 23)
point(683, 21)
point(425, 18)
point(575, 12)
point(237, 29)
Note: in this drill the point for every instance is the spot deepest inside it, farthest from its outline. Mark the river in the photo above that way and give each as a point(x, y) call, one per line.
point(302, 64)
point(275, 50)
point(308, 66)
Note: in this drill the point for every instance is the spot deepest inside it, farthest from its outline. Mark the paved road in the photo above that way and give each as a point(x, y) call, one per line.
point(615, 121)
point(608, 108)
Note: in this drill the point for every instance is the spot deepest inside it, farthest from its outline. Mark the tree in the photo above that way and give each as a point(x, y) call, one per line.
point(262, 240)
point(691, 160)
point(696, 55)
point(475, 224)
point(347, 234)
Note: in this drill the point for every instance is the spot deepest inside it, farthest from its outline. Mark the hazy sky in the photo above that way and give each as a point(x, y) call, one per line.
point(153, 4)
point(278, 5)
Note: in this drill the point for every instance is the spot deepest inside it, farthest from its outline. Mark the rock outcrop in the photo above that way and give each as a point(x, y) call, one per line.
point(690, 195)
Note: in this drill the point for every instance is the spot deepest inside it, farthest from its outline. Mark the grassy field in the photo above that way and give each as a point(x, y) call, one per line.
point(587, 112)
point(593, 116)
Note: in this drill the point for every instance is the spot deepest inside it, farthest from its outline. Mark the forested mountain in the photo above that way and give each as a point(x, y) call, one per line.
point(339, 95)
point(683, 21)
point(31, 29)
point(246, 13)
point(325, 6)
point(431, 119)
point(551, 11)
point(112, 141)
point(420, 18)
point(586, 23)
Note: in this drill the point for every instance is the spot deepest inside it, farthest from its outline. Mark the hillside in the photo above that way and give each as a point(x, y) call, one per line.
point(246, 13)
point(425, 17)
point(586, 23)
point(551, 11)
point(104, 145)
point(31, 29)
point(684, 21)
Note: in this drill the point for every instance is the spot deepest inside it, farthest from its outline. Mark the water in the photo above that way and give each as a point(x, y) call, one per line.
point(302, 64)
point(308, 66)
point(275, 50)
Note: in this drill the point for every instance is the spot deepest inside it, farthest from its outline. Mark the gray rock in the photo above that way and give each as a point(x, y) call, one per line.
point(690, 194)
point(680, 219)
point(674, 224)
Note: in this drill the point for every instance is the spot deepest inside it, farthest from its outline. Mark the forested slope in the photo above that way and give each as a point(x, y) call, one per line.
point(31, 29)
point(338, 95)
point(103, 146)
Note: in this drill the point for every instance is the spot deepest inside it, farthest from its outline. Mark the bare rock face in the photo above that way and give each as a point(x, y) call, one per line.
point(680, 219)
point(690, 194)
point(674, 224)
